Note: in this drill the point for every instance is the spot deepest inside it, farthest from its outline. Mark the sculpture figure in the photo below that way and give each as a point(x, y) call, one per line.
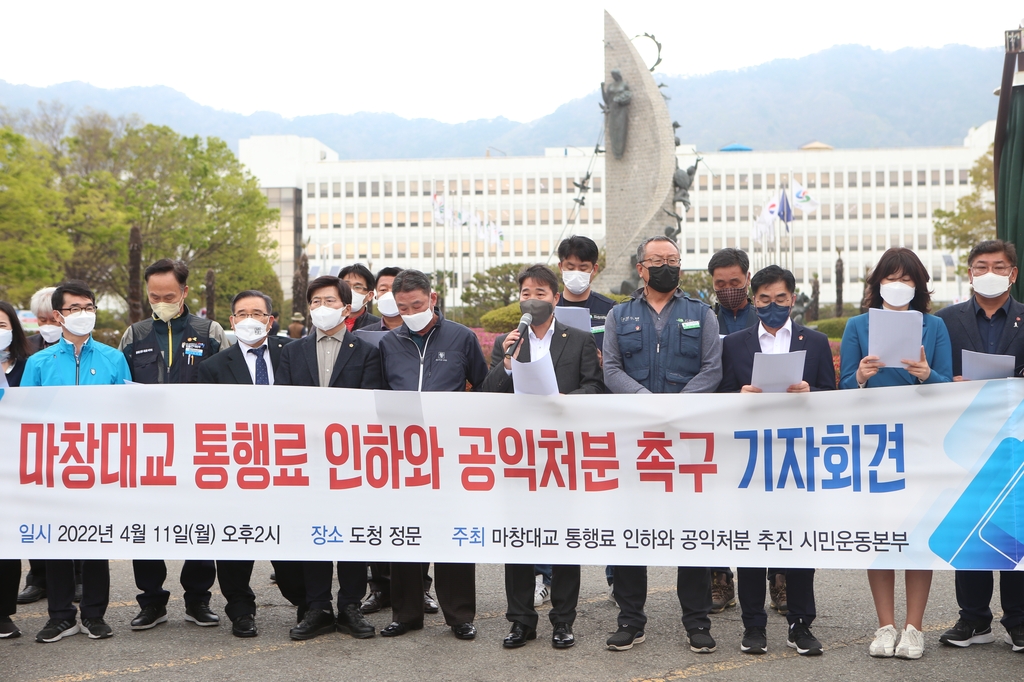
point(617, 97)
point(682, 180)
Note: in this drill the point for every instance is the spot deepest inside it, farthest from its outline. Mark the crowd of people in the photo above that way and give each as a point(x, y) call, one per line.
point(658, 341)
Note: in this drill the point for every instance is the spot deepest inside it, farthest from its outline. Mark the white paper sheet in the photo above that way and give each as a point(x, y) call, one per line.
point(981, 366)
point(535, 378)
point(371, 337)
point(895, 335)
point(775, 372)
point(577, 318)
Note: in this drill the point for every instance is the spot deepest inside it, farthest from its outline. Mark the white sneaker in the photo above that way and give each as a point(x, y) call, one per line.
point(911, 643)
point(541, 592)
point(884, 644)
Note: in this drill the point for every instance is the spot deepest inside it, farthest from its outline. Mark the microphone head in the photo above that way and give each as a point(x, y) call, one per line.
point(526, 319)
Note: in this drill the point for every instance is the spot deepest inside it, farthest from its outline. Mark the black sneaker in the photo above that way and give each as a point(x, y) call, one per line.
point(201, 615)
point(96, 628)
point(966, 633)
point(755, 641)
point(701, 641)
point(1015, 638)
point(624, 638)
point(56, 630)
point(8, 630)
point(149, 617)
point(801, 639)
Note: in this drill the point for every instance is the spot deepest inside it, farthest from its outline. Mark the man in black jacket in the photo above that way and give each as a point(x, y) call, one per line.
point(329, 358)
point(253, 361)
point(574, 358)
point(361, 281)
point(430, 353)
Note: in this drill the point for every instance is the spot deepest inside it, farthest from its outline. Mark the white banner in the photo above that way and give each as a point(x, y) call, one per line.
point(909, 477)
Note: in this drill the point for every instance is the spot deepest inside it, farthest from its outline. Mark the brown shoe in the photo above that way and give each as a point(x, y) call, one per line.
point(723, 592)
point(777, 590)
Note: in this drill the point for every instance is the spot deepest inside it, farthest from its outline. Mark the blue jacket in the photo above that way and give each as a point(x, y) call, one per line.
point(57, 366)
point(937, 350)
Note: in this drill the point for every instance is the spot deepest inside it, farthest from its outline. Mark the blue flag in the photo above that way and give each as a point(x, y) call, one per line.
point(785, 210)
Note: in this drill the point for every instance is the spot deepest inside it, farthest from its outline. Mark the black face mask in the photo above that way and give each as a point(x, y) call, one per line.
point(540, 310)
point(664, 278)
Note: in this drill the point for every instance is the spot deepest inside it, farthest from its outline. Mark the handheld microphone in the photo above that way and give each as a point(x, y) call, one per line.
point(524, 324)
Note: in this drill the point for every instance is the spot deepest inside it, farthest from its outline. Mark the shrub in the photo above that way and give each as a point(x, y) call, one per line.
point(833, 327)
point(503, 319)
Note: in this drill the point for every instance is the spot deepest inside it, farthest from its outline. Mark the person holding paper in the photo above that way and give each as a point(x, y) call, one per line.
point(577, 261)
point(574, 357)
point(898, 282)
point(774, 295)
point(990, 322)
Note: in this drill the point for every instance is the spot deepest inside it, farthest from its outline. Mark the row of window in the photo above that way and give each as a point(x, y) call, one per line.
point(825, 179)
point(400, 188)
point(853, 242)
point(354, 251)
point(825, 211)
point(416, 219)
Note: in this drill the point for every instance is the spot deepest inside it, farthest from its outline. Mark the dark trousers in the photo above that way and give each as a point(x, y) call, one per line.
point(693, 587)
point(234, 577)
point(36, 576)
point(519, 589)
point(974, 594)
point(197, 577)
point(753, 583)
point(10, 578)
point(309, 584)
point(60, 588)
point(454, 584)
point(380, 578)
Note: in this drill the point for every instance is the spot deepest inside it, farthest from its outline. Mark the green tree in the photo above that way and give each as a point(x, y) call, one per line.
point(495, 288)
point(974, 219)
point(698, 284)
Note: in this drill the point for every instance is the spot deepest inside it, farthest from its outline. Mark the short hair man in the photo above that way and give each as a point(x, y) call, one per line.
point(774, 295)
point(430, 353)
point(75, 360)
point(577, 261)
point(168, 348)
point(252, 361)
point(987, 323)
point(361, 281)
point(328, 358)
point(730, 276)
point(49, 331)
point(661, 341)
point(574, 358)
point(386, 306)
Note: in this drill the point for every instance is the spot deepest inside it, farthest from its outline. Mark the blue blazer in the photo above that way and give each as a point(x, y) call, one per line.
point(738, 351)
point(937, 350)
point(962, 325)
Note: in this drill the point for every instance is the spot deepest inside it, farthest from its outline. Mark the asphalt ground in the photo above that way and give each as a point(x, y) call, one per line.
point(179, 651)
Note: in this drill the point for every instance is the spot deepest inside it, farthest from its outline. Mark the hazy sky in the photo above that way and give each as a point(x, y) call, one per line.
point(453, 61)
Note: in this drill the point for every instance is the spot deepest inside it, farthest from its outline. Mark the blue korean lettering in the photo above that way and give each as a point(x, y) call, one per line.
point(895, 453)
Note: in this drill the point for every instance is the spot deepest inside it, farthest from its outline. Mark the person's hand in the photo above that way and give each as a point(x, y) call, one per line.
point(802, 387)
point(750, 389)
point(960, 377)
point(919, 368)
point(869, 366)
point(512, 337)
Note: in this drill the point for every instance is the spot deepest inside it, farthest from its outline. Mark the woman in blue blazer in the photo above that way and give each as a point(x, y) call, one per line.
point(898, 282)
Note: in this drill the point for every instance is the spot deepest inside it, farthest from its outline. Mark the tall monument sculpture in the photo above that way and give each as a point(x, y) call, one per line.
point(638, 183)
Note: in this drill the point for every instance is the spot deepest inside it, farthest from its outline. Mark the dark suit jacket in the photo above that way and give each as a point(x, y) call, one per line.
point(357, 364)
point(738, 351)
point(963, 334)
point(573, 354)
point(367, 319)
point(229, 366)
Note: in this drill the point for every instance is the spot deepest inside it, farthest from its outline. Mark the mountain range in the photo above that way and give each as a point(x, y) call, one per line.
point(847, 96)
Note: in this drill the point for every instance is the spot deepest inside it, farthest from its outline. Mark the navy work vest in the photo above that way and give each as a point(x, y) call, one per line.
point(148, 364)
point(667, 363)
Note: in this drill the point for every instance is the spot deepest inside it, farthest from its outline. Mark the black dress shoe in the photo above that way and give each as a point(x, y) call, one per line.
point(314, 624)
point(374, 602)
point(78, 593)
point(397, 629)
point(31, 594)
point(429, 604)
point(562, 637)
point(149, 617)
point(244, 626)
point(201, 614)
point(464, 631)
point(273, 577)
point(351, 621)
point(518, 636)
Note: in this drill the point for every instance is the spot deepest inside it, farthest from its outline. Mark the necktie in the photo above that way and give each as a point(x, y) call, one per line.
point(262, 376)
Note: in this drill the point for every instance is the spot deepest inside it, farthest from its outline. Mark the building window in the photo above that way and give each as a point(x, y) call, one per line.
point(504, 185)
point(401, 219)
point(730, 181)
point(865, 179)
point(716, 214)
point(826, 180)
point(544, 216)
point(414, 219)
point(922, 209)
point(812, 180)
point(558, 216)
point(922, 178)
point(544, 184)
point(504, 217)
point(826, 210)
point(362, 220)
point(311, 190)
point(690, 248)
point(492, 186)
point(584, 215)
point(851, 179)
point(935, 177)
point(350, 220)
point(387, 188)
point(703, 182)
point(908, 209)
point(812, 243)
point(908, 178)
point(400, 189)
point(743, 181)
point(517, 184)
point(362, 189)
point(323, 190)
point(922, 241)
point(336, 222)
point(965, 176)
point(596, 183)
point(596, 217)
point(894, 210)
point(716, 182)
point(730, 213)
point(519, 216)
point(744, 213)
point(703, 212)
point(387, 219)
point(757, 181)
point(949, 177)
point(375, 189)
point(531, 216)
point(769, 181)
point(336, 190)
point(348, 189)
point(556, 185)
point(478, 187)
point(531, 185)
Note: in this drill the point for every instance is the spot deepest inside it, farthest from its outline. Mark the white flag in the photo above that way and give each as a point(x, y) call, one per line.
point(803, 200)
point(765, 225)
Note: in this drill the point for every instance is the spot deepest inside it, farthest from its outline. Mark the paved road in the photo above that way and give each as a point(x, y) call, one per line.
point(180, 651)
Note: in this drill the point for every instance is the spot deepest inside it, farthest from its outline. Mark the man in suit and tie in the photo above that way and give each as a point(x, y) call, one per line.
point(774, 295)
point(329, 358)
point(252, 361)
point(990, 322)
point(574, 356)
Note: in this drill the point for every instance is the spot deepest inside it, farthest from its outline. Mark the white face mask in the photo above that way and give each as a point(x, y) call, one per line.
point(418, 321)
point(387, 306)
point(357, 302)
point(325, 318)
point(250, 332)
point(6, 336)
point(166, 311)
point(991, 285)
point(897, 294)
point(81, 323)
point(49, 332)
point(576, 281)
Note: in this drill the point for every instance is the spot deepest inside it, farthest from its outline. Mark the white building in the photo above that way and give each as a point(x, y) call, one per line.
point(517, 209)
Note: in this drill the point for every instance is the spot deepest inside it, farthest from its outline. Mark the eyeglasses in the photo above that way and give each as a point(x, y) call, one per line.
point(979, 270)
point(358, 288)
point(330, 301)
point(246, 316)
point(78, 309)
point(658, 262)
